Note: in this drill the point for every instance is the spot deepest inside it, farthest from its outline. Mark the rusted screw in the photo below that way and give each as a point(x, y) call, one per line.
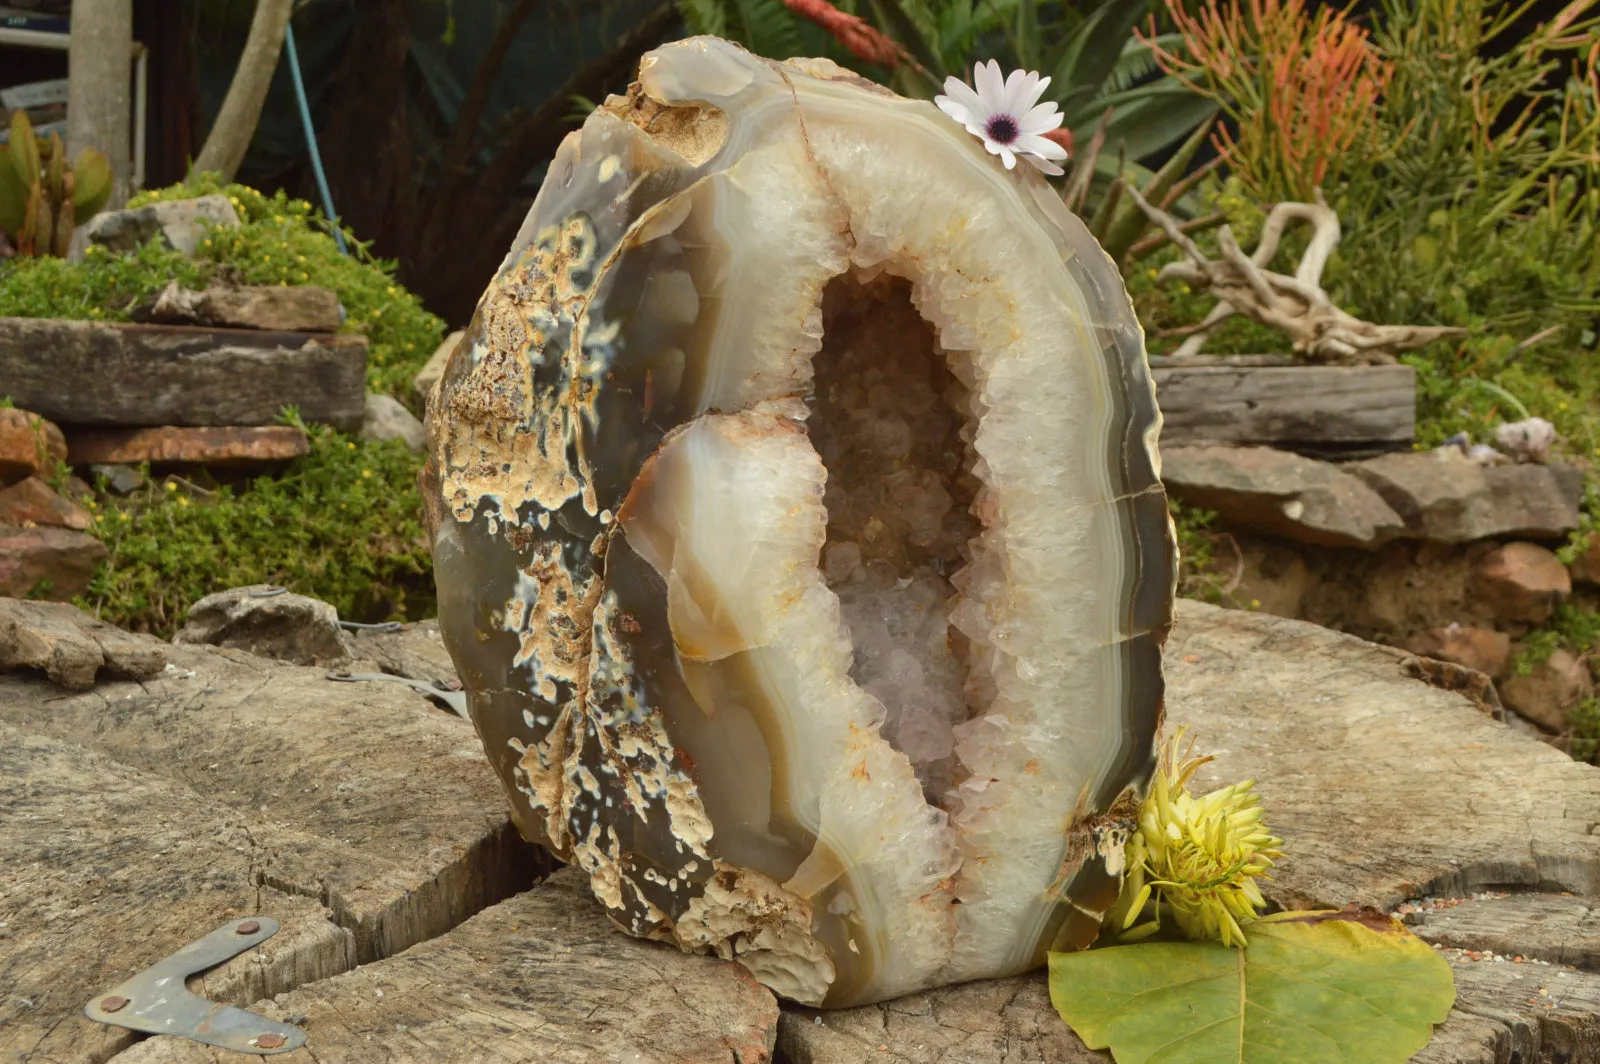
point(113, 1003)
point(249, 927)
point(270, 1041)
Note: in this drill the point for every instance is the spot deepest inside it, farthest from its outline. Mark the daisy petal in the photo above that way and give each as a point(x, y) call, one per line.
point(1036, 145)
point(954, 110)
point(1042, 119)
point(1044, 166)
point(991, 87)
point(1008, 157)
point(1018, 85)
point(1037, 89)
point(962, 93)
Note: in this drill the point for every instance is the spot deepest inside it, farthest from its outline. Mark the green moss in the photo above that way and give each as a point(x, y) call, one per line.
point(1585, 721)
point(343, 524)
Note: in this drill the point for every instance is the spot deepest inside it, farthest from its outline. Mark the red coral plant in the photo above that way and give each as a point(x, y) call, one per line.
point(1302, 91)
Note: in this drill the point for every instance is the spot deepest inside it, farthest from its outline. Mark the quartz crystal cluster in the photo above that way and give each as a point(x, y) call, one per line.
point(799, 535)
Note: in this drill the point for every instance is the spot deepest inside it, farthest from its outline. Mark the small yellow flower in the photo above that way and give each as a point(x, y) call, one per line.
point(391, 289)
point(1198, 858)
point(352, 446)
point(365, 473)
point(1561, 405)
point(183, 500)
point(171, 486)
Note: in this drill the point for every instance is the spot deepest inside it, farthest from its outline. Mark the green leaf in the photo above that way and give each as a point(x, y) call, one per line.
point(1316, 988)
point(1094, 50)
point(893, 20)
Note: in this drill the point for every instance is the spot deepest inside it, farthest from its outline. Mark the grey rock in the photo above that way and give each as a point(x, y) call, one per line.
point(388, 419)
point(70, 646)
point(180, 224)
point(1549, 691)
point(1261, 489)
point(430, 373)
point(1444, 497)
point(270, 622)
point(121, 479)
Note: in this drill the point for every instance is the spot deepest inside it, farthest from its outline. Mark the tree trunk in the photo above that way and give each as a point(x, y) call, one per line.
point(99, 55)
point(241, 108)
point(366, 142)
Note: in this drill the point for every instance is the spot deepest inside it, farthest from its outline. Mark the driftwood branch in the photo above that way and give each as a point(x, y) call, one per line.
point(1296, 305)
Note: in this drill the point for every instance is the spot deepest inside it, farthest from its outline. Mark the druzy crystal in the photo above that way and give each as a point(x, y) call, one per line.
point(798, 533)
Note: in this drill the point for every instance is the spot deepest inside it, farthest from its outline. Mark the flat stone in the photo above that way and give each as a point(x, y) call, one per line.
point(1549, 691)
point(33, 502)
point(70, 646)
point(282, 308)
point(360, 816)
point(1556, 928)
point(1261, 489)
point(1442, 496)
point(217, 446)
point(262, 619)
point(49, 563)
point(430, 373)
point(180, 224)
point(540, 977)
point(29, 445)
point(388, 419)
point(1522, 582)
point(1482, 649)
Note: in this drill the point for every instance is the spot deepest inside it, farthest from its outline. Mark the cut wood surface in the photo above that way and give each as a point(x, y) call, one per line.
point(1349, 407)
point(1384, 787)
point(97, 373)
point(361, 800)
point(1560, 929)
point(543, 977)
point(107, 870)
point(172, 799)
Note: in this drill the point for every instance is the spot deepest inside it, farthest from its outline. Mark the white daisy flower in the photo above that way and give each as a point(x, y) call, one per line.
point(1006, 115)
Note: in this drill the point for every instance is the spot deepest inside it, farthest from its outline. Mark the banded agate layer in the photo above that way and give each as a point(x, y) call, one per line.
point(799, 537)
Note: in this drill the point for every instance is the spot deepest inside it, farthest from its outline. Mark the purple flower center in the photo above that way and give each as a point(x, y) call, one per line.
point(1002, 129)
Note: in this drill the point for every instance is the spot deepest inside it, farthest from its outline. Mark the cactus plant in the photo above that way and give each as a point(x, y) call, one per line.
point(42, 198)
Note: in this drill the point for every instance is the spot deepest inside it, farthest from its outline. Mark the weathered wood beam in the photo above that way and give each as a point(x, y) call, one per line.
point(1296, 406)
point(97, 373)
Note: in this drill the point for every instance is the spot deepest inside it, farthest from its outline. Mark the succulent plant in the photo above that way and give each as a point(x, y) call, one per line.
point(42, 198)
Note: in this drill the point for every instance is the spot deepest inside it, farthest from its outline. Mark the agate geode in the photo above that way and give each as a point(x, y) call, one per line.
point(799, 535)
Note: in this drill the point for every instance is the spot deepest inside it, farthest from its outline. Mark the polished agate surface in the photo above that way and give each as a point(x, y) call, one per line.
point(799, 537)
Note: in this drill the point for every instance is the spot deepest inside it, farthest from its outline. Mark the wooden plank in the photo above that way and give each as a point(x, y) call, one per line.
point(541, 977)
point(361, 800)
point(97, 373)
point(1337, 406)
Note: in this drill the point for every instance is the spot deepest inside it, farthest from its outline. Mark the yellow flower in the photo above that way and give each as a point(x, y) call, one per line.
point(1197, 857)
point(183, 500)
point(352, 446)
point(171, 486)
point(366, 473)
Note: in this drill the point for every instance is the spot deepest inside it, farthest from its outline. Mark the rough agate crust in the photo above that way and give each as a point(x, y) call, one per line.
point(799, 536)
